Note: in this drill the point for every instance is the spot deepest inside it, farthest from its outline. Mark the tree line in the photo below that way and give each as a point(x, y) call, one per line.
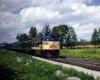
point(66, 34)
point(95, 37)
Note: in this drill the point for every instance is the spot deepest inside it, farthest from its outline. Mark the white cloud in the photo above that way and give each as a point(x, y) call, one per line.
point(85, 31)
point(14, 5)
point(36, 13)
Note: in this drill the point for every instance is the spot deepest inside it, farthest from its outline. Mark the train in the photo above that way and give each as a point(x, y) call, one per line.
point(48, 46)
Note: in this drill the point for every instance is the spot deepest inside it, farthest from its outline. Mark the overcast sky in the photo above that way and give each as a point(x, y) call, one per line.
point(17, 16)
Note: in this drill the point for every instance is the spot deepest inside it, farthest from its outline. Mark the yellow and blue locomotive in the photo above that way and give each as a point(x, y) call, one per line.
point(48, 46)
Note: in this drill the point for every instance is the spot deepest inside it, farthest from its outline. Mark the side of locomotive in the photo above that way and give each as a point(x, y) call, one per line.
point(48, 46)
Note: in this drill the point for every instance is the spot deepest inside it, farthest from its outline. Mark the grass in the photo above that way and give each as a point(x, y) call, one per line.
point(83, 53)
point(13, 66)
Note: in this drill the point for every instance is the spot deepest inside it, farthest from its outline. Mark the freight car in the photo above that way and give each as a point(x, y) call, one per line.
point(48, 46)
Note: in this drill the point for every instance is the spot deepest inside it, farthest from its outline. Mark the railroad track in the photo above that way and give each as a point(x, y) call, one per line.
point(82, 62)
point(85, 63)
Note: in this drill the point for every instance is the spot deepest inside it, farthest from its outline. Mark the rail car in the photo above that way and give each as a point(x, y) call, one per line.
point(48, 46)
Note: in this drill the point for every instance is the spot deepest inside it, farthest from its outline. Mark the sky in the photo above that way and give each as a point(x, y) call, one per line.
point(18, 16)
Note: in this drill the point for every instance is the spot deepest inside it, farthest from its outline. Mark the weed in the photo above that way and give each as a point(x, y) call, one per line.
point(83, 53)
point(36, 69)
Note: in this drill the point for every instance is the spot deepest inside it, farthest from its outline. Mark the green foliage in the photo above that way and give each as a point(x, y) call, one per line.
point(99, 36)
point(83, 42)
point(43, 68)
point(63, 30)
point(82, 53)
point(40, 34)
point(95, 37)
point(92, 51)
point(18, 37)
point(98, 78)
point(81, 75)
point(9, 66)
point(6, 73)
point(46, 30)
point(22, 37)
point(35, 70)
point(55, 30)
point(60, 31)
point(71, 38)
point(33, 32)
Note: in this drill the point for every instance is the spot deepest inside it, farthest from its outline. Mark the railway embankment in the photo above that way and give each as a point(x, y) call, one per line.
point(21, 66)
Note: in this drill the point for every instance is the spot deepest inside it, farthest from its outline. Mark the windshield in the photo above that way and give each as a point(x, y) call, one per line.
point(50, 38)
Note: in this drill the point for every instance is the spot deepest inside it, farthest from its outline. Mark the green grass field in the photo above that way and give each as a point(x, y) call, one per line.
point(83, 53)
point(20, 66)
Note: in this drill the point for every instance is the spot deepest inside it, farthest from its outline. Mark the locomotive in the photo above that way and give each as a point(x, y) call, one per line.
point(48, 46)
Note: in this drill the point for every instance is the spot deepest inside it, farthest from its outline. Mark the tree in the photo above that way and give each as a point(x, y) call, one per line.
point(99, 36)
point(46, 30)
point(40, 34)
point(33, 32)
point(83, 42)
point(71, 38)
point(55, 31)
point(94, 39)
point(22, 37)
point(61, 32)
point(18, 37)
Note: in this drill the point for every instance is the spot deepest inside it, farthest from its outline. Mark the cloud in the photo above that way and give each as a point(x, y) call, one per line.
point(38, 14)
point(14, 5)
point(75, 13)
